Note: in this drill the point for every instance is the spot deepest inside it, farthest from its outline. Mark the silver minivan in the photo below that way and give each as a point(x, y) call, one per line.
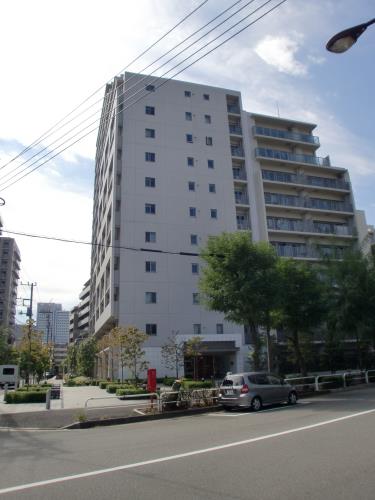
point(255, 389)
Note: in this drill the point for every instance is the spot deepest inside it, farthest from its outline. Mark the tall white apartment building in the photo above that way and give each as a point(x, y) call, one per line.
point(181, 164)
point(9, 274)
point(79, 316)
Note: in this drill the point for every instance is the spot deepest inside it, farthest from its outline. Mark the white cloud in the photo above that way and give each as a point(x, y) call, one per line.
point(280, 52)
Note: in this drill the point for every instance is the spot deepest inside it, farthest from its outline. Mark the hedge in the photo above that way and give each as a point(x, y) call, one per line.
point(112, 388)
point(195, 384)
point(130, 391)
point(16, 397)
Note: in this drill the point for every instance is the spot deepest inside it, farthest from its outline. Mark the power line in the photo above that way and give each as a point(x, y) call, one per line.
point(127, 90)
point(37, 141)
point(143, 96)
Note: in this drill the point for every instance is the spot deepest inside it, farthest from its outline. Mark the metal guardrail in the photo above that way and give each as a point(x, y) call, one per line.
point(346, 379)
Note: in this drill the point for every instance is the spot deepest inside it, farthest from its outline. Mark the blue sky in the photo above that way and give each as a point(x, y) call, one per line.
point(57, 54)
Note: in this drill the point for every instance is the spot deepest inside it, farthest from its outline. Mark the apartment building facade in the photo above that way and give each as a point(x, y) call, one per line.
point(181, 164)
point(10, 260)
point(79, 316)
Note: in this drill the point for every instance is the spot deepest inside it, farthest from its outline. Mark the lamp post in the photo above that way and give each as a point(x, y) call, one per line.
point(342, 41)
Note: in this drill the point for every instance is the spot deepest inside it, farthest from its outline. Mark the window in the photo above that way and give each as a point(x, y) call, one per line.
point(211, 188)
point(209, 141)
point(150, 182)
point(149, 110)
point(197, 329)
point(193, 239)
point(150, 237)
point(150, 297)
point(188, 116)
point(151, 329)
point(195, 268)
point(150, 208)
point(206, 97)
point(149, 156)
point(190, 161)
point(207, 118)
point(195, 298)
point(192, 211)
point(191, 185)
point(150, 266)
point(189, 138)
point(150, 88)
point(213, 212)
point(187, 93)
point(150, 132)
point(219, 328)
point(210, 164)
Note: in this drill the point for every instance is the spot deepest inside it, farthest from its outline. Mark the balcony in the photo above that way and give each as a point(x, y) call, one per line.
point(239, 174)
point(243, 225)
point(233, 108)
point(286, 135)
point(237, 151)
point(303, 251)
point(306, 180)
point(241, 198)
point(310, 203)
point(235, 129)
point(299, 226)
point(274, 154)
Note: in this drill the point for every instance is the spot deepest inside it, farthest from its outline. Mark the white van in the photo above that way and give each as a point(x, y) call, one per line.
point(9, 374)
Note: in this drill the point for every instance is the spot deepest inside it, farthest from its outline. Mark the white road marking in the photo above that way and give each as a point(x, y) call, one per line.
point(169, 458)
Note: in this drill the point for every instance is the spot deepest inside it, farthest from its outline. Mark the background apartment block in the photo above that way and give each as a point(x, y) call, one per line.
point(9, 274)
point(184, 163)
point(79, 316)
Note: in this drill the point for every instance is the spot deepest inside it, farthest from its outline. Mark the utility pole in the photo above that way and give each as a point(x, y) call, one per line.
point(29, 314)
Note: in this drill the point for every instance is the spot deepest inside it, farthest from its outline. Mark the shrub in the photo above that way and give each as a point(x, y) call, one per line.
point(82, 380)
point(70, 383)
point(103, 384)
point(35, 388)
point(112, 388)
point(168, 381)
point(26, 397)
point(131, 391)
point(196, 384)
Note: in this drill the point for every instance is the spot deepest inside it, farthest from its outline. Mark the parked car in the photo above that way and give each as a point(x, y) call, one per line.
point(255, 389)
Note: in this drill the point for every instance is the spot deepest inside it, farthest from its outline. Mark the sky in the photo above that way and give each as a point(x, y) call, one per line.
point(56, 54)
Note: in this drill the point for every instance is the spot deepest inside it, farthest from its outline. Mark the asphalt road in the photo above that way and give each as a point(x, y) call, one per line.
point(323, 448)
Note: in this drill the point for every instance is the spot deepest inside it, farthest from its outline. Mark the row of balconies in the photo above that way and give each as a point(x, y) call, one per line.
point(285, 134)
point(307, 180)
point(308, 226)
point(304, 202)
point(304, 251)
point(285, 156)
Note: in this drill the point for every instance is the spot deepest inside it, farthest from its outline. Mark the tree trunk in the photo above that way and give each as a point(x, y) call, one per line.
point(270, 362)
point(359, 351)
point(299, 356)
point(256, 344)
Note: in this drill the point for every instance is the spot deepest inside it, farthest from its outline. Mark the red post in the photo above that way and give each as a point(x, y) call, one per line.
point(151, 382)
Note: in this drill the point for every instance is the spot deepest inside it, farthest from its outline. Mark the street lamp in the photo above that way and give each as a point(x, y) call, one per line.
point(345, 39)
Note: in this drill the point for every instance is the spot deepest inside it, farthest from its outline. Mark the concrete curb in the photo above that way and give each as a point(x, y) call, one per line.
point(141, 418)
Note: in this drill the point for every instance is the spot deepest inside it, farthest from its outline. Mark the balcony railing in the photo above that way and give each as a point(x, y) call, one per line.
point(235, 129)
point(309, 227)
point(239, 175)
point(284, 134)
point(295, 158)
point(241, 199)
point(243, 225)
point(237, 151)
point(307, 251)
point(233, 108)
point(313, 203)
point(308, 180)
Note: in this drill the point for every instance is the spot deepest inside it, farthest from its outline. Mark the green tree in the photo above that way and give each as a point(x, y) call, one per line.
point(130, 341)
point(86, 357)
point(34, 356)
point(71, 362)
point(193, 348)
point(352, 300)
point(173, 353)
point(239, 281)
point(301, 307)
point(8, 354)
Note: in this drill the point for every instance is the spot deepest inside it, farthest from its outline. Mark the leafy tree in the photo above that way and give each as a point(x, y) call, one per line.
point(8, 354)
point(86, 357)
point(173, 353)
point(301, 307)
point(240, 281)
point(109, 342)
point(71, 361)
point(34, 356)
point(130, 341)
point(193, 348)
point(352, 300)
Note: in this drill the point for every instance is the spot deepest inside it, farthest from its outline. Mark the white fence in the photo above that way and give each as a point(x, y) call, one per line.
point(332, 381)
